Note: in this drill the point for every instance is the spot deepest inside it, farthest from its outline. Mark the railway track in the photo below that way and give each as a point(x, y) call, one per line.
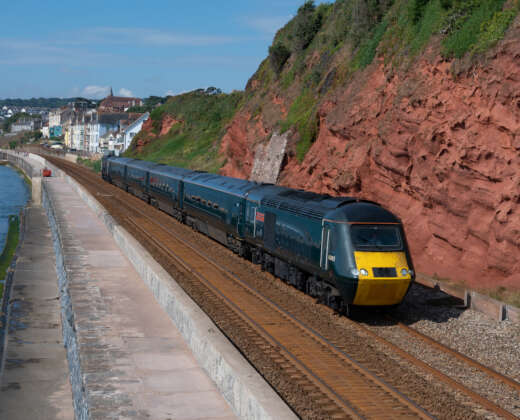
point(506, 380)
point(491, 406)
point(321, 369)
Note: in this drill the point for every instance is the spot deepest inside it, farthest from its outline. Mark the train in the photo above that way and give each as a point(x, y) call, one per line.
point(343, 251)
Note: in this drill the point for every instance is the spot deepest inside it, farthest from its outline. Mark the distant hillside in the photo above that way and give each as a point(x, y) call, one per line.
point(37, 102)
point(186, 130)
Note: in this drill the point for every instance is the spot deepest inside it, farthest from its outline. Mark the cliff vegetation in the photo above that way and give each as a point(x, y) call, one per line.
point(186, 130)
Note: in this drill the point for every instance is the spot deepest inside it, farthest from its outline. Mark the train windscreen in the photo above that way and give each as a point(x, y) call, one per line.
point(376, 237)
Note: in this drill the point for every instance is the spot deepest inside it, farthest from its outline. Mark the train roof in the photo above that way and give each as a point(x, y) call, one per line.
point(119, 160)
point(362, 212)
point(226, 184)
point(171, 171)
point(322, 206)
point(141, 164)
point(301, 202)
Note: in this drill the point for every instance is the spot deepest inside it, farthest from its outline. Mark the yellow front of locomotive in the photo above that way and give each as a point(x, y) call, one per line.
point(370, 260)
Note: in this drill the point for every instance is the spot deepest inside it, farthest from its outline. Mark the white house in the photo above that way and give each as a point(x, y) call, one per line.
point(55, 117)
point(133, 129)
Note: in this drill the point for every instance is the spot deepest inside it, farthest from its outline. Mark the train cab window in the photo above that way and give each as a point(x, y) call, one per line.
point(376, 237)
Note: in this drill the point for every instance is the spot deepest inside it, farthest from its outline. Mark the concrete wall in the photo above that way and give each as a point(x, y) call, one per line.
point(79, 390)
point(243, 388)
point(32, 166)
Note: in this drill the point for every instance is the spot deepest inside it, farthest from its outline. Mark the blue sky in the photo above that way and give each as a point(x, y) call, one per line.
point(156, 47)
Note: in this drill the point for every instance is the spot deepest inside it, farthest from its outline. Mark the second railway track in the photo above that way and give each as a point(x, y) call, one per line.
point(338, 386)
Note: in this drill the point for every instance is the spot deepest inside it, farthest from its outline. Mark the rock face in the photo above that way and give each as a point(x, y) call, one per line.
point(153, 129)
point(439, 150)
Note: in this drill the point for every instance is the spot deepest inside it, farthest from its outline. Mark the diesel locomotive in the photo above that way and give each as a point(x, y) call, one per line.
point(341, 250)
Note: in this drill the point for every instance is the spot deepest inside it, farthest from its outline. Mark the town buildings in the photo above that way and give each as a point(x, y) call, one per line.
point(118, 103)
point(133, 129)
point(84, 127)
point(97, 130)
point(26, 124)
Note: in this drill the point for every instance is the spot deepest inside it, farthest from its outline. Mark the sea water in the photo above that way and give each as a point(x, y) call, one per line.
point(14, 194)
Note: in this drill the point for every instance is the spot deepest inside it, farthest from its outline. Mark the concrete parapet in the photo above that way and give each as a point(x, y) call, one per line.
point(36, 190)
point(513, 313)
point(243, 388)
point(79, 395)
point(31, 165)
point(487, 305)
point(473, 300)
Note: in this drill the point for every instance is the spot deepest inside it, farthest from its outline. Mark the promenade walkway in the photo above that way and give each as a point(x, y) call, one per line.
point(134, 362)
point(35, 380)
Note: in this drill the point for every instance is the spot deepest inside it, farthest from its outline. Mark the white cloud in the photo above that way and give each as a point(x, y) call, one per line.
point(17, 52)
point(149, 36)
point(96, 92)
point(127, 93)
point(169, 93)
point(267, 24)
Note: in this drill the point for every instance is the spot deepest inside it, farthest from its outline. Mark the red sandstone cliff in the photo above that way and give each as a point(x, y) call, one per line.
point(441, 151)
point(149, 132)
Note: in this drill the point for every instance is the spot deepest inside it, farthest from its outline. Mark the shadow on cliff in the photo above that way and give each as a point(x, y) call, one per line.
point(421, 303)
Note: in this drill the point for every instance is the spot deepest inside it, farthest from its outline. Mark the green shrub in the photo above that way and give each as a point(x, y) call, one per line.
point(94, 165)
point(194, 143)
point(303, 116)
point(306, 24)
point(470, 21)
point(368, 48)
point(417, 9)
point(430, 22)
point(493, 31)
point(278, 55)
point(11, 243)
point(287, 79)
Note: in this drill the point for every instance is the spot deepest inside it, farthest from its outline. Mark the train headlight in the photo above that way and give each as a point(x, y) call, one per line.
point(363, 272)
point(355, 272)
point(405, 272)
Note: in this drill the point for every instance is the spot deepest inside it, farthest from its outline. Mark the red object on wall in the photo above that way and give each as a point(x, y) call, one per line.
point(46, 172)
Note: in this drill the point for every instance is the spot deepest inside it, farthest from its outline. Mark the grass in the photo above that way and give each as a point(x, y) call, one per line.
point(478, 26)
point(22, 174)
point(194, 141)
point(368, 48)
point(10, 246)
point(302, 115)
point(94, 165)
point(511, 297)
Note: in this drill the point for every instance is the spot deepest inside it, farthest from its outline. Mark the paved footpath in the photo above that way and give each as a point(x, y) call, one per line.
point(35, 381)
point(134, 362)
